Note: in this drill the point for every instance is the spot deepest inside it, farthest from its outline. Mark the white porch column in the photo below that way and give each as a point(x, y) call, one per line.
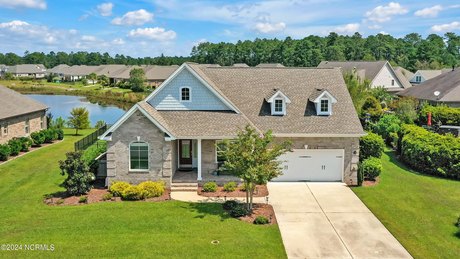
point(199, 160)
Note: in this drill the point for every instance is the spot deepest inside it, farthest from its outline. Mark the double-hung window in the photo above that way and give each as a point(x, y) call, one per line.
point(138, 156)
point(185, 94)
point(324, 108)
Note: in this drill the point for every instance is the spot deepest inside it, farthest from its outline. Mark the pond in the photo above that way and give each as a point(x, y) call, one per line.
point(61, 105)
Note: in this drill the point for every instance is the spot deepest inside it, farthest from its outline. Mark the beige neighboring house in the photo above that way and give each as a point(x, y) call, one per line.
point(441, 89)
point(176, 132)
point(108, 70)
point(78, 72)
point(27, 70)
point(423, 75)
point(379, 73)
point(154, 75)
point(19, 115)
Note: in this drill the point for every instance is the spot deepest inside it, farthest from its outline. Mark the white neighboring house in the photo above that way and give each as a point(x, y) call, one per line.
point(27, 70)
point(379, 73)
point(423, 75)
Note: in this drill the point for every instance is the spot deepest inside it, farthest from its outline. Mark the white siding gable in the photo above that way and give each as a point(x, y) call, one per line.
point(385, 77)
point(414, 79)
point(201, 98)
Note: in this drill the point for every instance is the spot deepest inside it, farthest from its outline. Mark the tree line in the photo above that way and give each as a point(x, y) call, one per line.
point(411, 51)
point(53, 59)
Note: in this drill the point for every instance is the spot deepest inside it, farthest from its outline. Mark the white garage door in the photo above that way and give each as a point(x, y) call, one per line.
point(320, 165)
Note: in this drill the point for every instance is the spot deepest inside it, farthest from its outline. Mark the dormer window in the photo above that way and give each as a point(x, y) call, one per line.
point(323, 101)
point(278, 102)
point(185, 94)
point(324, 106)
point(279, 106)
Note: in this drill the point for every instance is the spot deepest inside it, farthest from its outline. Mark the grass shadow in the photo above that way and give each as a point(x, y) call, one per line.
point(205, 209)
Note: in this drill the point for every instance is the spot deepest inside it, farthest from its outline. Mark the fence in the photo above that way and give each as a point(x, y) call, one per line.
point(87, 141)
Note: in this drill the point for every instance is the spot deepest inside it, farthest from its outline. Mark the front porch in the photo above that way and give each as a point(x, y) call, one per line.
point(191, 176)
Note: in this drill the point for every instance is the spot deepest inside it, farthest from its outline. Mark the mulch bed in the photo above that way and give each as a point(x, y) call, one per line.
point(261, 210)
point(30, 150)
point(368, 183)
point(95, 196)
point(260, 191)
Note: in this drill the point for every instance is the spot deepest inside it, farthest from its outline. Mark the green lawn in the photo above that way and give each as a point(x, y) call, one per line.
point(420, 211)
point(123, 229)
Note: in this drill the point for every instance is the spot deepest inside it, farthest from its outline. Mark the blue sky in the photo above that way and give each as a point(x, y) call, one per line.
point(173, 27)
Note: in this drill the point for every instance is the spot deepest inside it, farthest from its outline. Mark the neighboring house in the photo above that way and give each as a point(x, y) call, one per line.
point(27, 70)
point(108, 70)
point(270, 65)
point(423, 75)
point(122, 74)
point(379, 73)
point(3, 69)
point(58, 70)
point(444, 88)
point(19, 115)
point(78, 72)
point(178, 127)
point(155, 75)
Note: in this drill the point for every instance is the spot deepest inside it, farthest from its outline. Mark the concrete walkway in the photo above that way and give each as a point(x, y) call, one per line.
point(327, 220)
point(194, 197)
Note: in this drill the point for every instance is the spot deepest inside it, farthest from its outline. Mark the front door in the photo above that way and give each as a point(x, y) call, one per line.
point(185, 153)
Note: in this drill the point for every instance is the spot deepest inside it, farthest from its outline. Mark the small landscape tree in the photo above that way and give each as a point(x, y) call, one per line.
point(137, 79)
point(79, 119)
point(253, 158)
point(79, 177)
point(92, 77)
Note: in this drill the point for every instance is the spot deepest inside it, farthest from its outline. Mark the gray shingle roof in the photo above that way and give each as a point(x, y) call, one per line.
point(448, 84)
point(246, 88)
point(159, 72)
point(80, 70)
point(59, 69)
point(14, 104)
point(371, 68)
point(108, 69)
point(268, 65)
point(27, 69)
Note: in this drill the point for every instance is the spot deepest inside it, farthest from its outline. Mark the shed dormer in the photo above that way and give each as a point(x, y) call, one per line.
point(323, 101)
point(278, 102)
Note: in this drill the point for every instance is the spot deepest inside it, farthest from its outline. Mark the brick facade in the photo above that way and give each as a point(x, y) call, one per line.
point(16, 125)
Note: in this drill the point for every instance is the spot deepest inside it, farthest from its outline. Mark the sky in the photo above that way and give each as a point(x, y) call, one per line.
point(142, 28)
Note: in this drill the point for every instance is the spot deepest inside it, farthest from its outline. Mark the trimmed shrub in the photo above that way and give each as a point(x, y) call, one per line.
point(440, 114)
point(60, 134)
point(108, 196)
point(117, 188)
point(360, 177)
point(38, 138)
point(26, 143)
point(370, 145)
point(388, 127)
point(210, 187)
point(373, 107)
point(230, 187)
point(4, 152)
point(15, 146)
point(132, 193)
point(370, 168)
point(261, 220)
point(430, 153)
point(239, 211)
point(229, 205)
point(50, 135)
point(83, 199)
point(152, 189)
point(79, 177)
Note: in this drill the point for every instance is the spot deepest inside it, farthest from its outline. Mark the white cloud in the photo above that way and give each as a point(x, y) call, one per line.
point(88, 38)
point(383, 32)
point(347, 28)
point(34, 4)
point(267, 27)
point(156, 33)
point(17, 31)
point(446, 27)
point(429, 11)
point(138, 17)
point(374, 27)
point(118, 41)
point(105, 9)
point(383, 13)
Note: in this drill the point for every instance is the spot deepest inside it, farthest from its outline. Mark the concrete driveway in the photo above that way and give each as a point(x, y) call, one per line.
point(327, 220)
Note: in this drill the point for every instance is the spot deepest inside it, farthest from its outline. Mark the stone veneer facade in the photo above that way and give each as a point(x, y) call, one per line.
point(163, 154)
point(16, 125)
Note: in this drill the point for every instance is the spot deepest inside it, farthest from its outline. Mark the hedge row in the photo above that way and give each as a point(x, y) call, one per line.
point(430, 153)
point(444, 114)
point(22, 144)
